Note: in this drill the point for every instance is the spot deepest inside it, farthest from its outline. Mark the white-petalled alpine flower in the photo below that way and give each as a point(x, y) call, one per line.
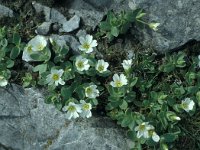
point(132, 5)
point(199, 61)
point(3, 81)
point(91, 91)
point(175, 118)
point(87, 44)
point(187, 104)
point(55, 77)
point(101, 66)
point(143, 130)
point(37, 44)
point(154, 26)
point(86, 109)
point(73, 110)
point(119, 81)
point(127, 64)
point(81, 63)
point(155, 136)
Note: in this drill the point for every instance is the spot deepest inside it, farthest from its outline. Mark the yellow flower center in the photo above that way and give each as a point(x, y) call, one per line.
point(29, 49)
point(118, 83)
point(72, 108)
point(100, 68)
point(141, 127)
point(86, 46)
point(1, 78)
point(40, 47)
point(88, 90)
point(55, 77)
point(185, 105)
point(86, 107)
point(80, 64)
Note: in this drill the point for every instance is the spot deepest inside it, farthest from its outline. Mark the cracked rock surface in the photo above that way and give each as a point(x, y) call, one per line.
point(27, 123)
point(179, 23)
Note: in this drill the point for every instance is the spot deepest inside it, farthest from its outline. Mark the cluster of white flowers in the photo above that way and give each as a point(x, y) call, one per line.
point(75, 110)
point(119, 80)
point(187, 104)
point(3, 81)
point(55, 77)
point(146, 131)
point(37, 44)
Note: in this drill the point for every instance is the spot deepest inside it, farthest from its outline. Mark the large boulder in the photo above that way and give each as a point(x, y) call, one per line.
point(179, 23)
point(27, 123)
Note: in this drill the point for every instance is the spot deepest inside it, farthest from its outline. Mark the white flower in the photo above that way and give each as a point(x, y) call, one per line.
point(187, 104)
point(175, 118)
point(154, 26)
point(143, 130)
point(146, 130)
point(37, 44)
point(3, 81)
point(82, 63)
point(119, 81)
point(72, 110)
point(127, 64)
point(91, 91)
point(87, 44)
point(132, 5)
point(101, 66)
point(55, 77)
point(86, 109)
point(155, 137)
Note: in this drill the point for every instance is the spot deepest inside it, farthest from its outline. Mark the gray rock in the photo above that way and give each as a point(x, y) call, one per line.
point(54, 16)
point(81, 33)
point(42, 9)
point(44, 28)
point(103, 4)
point(27, 123)
point(179, 23)
point(70, 25)
point(90, 15)
point(5, 12)
point(74, 44)
point(67, 39)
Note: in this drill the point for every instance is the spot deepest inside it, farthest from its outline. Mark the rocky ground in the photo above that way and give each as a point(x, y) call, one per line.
point(26, 122)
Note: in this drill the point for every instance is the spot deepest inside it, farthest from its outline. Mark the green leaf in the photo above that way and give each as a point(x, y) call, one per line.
point(14, 52)
point(41, 68)
point(133, 81)
point(169, 137)
point(10, 63)
point(130, 97)
point(105, 26)
point(115, 31)
point(124, 105)
point(80, 92)
point(16, 39)
point(163, 120)
point(66, 93)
